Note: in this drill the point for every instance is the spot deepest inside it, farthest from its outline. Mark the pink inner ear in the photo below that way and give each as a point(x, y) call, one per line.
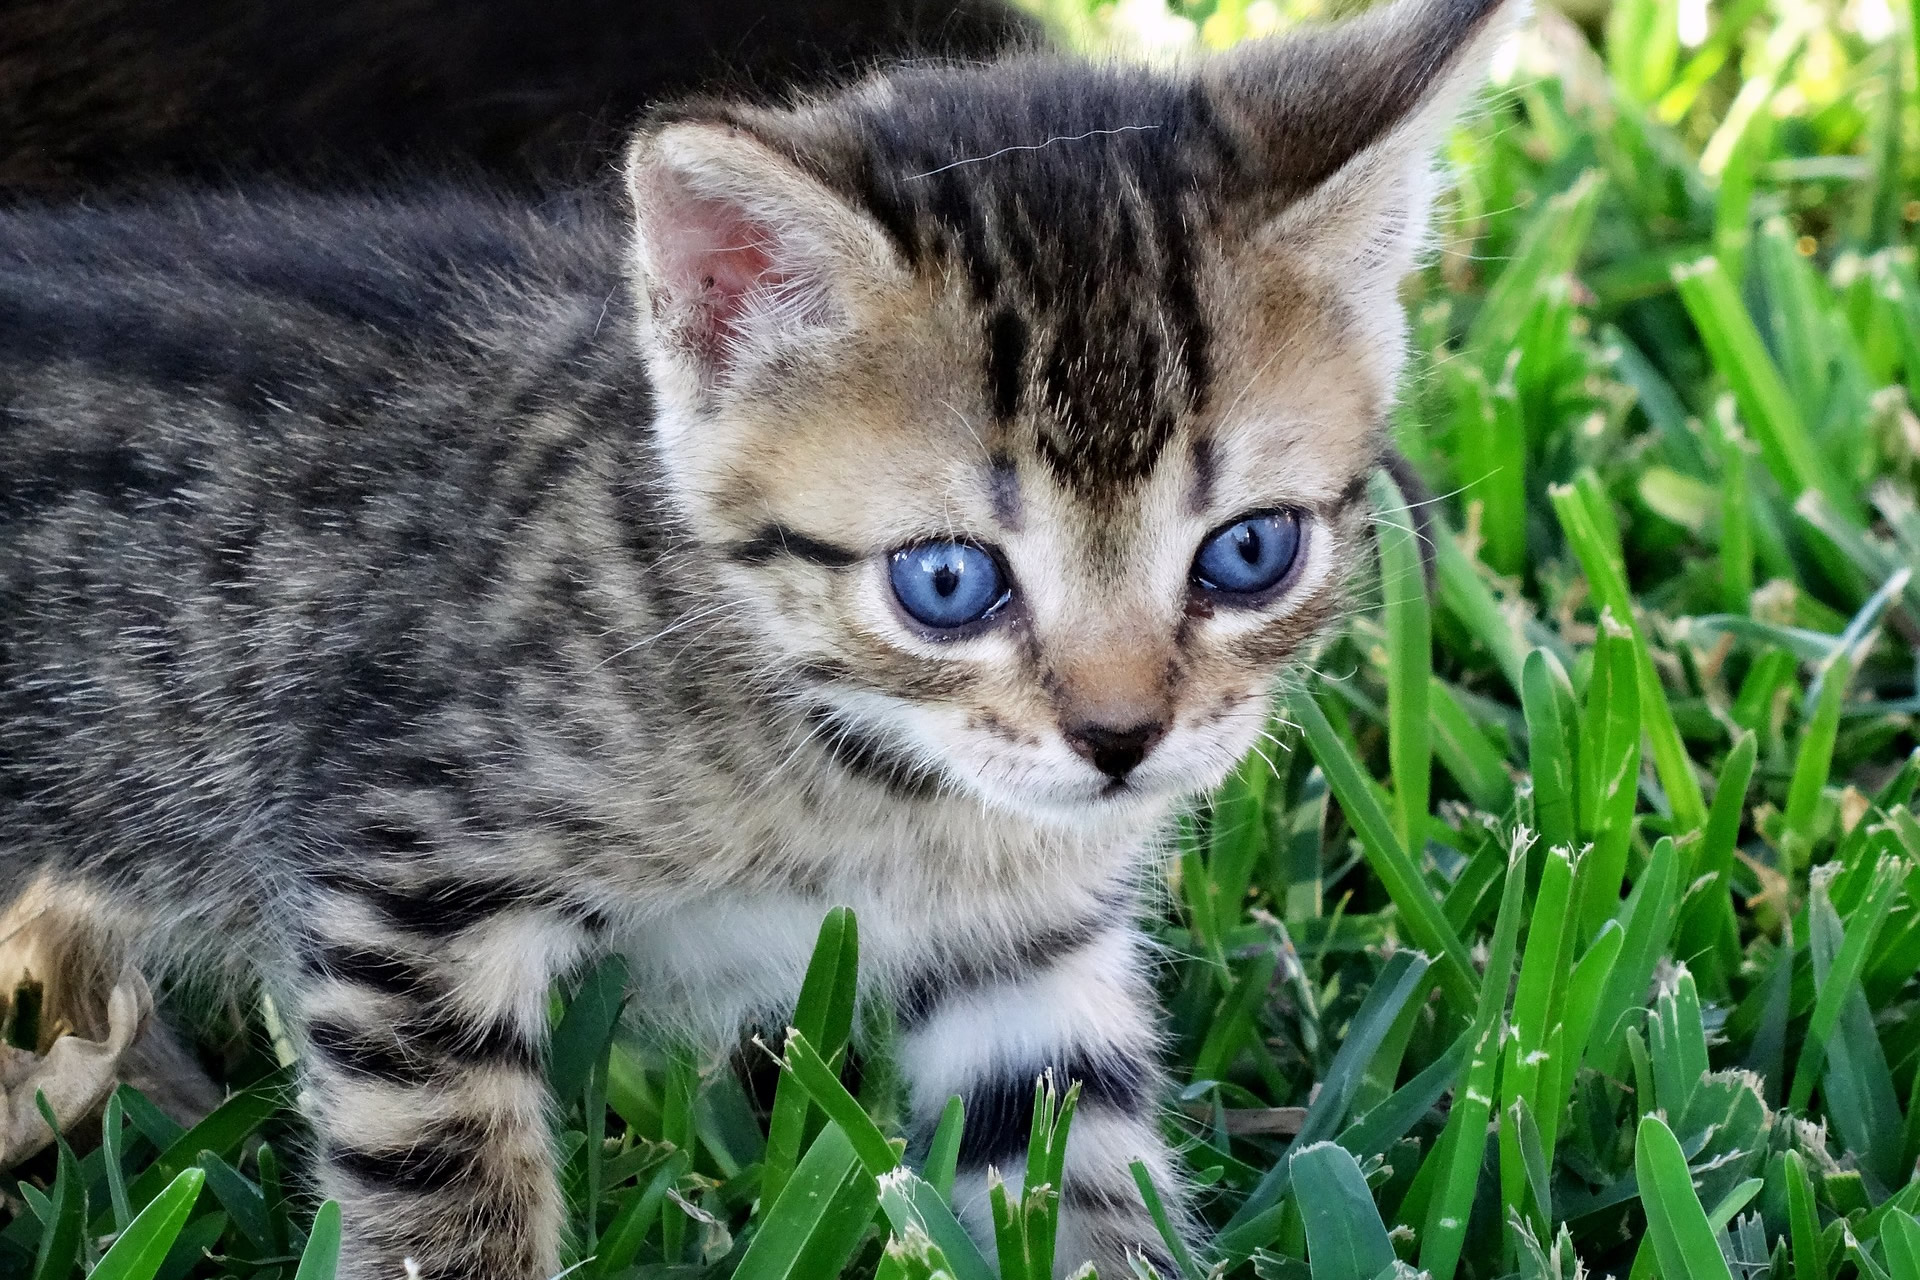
point(716, 259)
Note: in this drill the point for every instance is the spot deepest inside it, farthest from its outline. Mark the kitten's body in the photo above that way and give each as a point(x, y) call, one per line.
point(400, 602)
point(369, 557)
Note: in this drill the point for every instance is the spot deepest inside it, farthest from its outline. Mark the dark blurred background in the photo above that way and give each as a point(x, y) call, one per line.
point(101, 96)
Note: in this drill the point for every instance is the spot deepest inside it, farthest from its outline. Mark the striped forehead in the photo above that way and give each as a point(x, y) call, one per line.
point(1072, 208)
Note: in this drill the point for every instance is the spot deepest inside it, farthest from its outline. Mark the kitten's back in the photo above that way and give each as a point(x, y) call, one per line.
point(253, 465)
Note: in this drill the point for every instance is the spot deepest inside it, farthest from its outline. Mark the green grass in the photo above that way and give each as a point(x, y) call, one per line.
point(1667, 366)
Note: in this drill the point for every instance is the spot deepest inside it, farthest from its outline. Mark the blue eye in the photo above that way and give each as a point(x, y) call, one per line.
point(1249, 555)
point(947, 584)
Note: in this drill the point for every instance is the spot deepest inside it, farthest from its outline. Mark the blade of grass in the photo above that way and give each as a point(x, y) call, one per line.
point(222, 1133)
point(246, 1207)
point(1858, 1087)
point(1157, 1210)
point(1473, 761)
point(823, 1212)
point(804, 1063)
point(112, 1135)
point(1453, 1194)
point(1714, 854)
point(144, 1245)
point(1008, 1239)
point(1609, 772)
point(1547, 696)
point(1236, 840)
point(1900, 1242)
point(1389, 1121)
point(1406, 976)
point(1403, 585)
point(1803, 1220)
point(1548, 248)
point(1736, 513)
point(321, 1258)
point(1046, 1171)
point(1465, 595)
point(824, 1013)
point(1766, 405)
point(1842, 979)
point(1648, 916)
point(579, 1042)
point(1234, 1024)
point(1676, 1224)
point(635, 1219)
point(1406, 886)
point(1536, 999)
point(911, 1204)
point(273, 1190)
point(63, 1220)
point(943, 1153)
point(1586, 987)
point(1600, 558)
point(1345, 1238)
point(677, 1128)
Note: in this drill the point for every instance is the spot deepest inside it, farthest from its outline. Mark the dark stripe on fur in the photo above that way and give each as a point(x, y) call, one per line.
point(387, 972)
point(927, 990)
point(1092, 1197)
point(1000, 1110)
point(776, 540)
point(499, 1043)
point(358, 1054)
point(435, 1162)
point(1006, 361)
point(442, 906)
point(415, 1049)
point(1206, 469)
point(871, 760)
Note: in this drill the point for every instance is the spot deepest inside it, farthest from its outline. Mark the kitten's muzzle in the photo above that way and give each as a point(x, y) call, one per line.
point(1115, 751)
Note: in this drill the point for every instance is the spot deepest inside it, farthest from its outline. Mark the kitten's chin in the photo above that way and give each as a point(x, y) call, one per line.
point(1122, 808)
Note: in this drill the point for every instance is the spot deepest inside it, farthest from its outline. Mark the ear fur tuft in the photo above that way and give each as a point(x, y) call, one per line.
point(1346, 119)
point(742, 257)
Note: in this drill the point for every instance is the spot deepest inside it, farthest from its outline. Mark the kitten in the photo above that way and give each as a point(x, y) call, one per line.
point(114, 94)
point(910, 501)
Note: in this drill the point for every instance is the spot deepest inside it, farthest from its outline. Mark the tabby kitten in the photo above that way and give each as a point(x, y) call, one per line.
point(906, 503)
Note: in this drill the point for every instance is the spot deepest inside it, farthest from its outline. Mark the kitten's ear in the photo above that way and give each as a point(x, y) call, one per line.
point(1345, 121)
point(742, 257)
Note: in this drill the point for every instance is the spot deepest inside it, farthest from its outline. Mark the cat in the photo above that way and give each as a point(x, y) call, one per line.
point(117, 95)
point(908, 499)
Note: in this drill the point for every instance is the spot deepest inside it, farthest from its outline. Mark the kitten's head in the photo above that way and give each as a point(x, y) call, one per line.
point(1030, 407)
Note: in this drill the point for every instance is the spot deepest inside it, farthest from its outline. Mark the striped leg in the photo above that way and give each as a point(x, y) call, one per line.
point(424, 1014)
point(1082, 1009)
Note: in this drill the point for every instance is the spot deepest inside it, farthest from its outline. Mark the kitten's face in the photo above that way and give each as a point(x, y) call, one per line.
point(1030, 469)
point(1094, 615)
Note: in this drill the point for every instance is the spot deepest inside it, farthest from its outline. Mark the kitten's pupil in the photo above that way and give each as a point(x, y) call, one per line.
point(1247, 543)
point(945, 580)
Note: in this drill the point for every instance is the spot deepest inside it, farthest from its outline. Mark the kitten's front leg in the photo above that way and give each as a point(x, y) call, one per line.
point(1076, 1002)
point(423, 1007)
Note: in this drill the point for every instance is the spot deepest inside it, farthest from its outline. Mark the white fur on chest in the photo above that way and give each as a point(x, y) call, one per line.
point(728, 961)
point(946, 882)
